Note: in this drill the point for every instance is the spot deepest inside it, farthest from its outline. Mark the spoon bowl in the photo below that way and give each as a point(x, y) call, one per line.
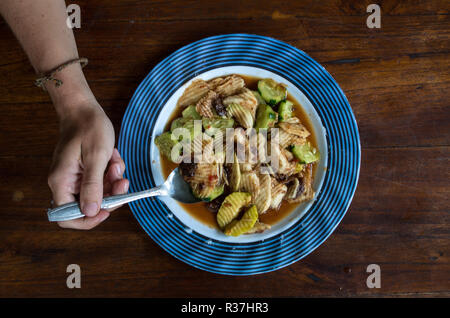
point(179, 189)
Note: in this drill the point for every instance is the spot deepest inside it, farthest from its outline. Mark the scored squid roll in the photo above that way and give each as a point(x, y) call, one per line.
point(205, 105)
point(245, 98)
point(193, 93)
point(243, 115)
point(264, 196)
point(228, 85)
point(250, 183)
point(295, 129)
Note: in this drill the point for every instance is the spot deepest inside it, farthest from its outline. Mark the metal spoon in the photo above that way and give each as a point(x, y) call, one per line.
point(175, 187)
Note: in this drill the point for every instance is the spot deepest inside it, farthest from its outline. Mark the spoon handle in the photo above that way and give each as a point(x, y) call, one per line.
point(72, 210)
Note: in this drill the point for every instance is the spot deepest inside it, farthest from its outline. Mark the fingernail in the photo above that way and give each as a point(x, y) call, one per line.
point(90, 209)
point(126, 187)
point(118, 170)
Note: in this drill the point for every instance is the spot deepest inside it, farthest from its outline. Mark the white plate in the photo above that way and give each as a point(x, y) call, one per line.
point(187, 219)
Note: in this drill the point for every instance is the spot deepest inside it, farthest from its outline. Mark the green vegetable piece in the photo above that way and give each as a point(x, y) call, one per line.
point(299, 167)
point(187, 123)
point(245, 224)
point(259, 98)
point(218, 190)
point(271, 91)
point(191, 112)
point(265, 117)
point(285, 110)
point(178, 123)
point(305, 153)
point(218, 123)
point(231, 206)
point(165, 143)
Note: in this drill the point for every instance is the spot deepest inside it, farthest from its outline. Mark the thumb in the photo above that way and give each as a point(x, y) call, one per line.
point(91, 192)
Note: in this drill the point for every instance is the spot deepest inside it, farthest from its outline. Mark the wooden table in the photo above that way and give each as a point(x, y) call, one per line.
point(396, 79)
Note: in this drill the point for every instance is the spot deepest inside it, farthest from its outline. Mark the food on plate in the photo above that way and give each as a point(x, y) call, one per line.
point(225, 118)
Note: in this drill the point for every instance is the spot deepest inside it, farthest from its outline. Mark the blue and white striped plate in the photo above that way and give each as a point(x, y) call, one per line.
point(335, 128)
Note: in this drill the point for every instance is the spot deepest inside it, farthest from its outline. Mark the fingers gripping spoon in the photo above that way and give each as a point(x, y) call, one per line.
point(174, 187)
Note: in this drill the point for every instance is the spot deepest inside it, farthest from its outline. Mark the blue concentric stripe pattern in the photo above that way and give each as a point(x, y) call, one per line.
point(330, 103)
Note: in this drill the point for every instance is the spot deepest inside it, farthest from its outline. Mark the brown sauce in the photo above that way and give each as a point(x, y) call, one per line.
point(199, 210)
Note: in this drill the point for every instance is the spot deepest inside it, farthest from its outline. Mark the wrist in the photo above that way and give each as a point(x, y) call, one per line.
point(74, 91)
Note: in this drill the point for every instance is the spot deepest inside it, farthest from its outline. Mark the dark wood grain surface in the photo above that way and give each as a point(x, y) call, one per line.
point(396, 79)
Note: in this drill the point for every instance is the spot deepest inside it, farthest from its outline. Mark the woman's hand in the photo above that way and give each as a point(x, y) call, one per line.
point(85, 162)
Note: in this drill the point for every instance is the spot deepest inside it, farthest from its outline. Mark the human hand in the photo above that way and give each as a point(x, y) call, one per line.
point(86, 163)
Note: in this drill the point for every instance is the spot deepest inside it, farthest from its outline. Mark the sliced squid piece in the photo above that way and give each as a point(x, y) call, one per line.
point(293, 190)
point(228, 85)
point(251, 147)
point(289, 156)
point(245, 98)
point(206, 174)
point(277, 193)
point(306, 192)
point(297, 140)
point(292, 120)
point(236, 143)
point(250, 183)
point(193, 93)
point(279, 162)
point(204, 106)
point(264, 197)
point(288, 168)
point(197, 146)
point(203, 149)
point(243, 116)
point(286, 139)
point(246, 167)
point(295, 129)
point(213, 83)
point(239, 138)
point(208, 149)
point(263, 148)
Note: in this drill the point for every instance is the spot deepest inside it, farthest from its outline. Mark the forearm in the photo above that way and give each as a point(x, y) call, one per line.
point(41, 28)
